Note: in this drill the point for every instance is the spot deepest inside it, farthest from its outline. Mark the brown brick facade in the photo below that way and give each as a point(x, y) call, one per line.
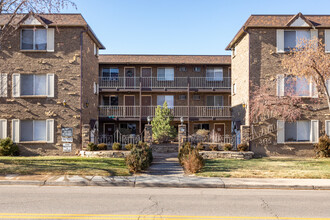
point(65, 63)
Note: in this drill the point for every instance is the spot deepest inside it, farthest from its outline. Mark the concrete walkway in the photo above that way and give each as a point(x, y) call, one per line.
point(165, 164)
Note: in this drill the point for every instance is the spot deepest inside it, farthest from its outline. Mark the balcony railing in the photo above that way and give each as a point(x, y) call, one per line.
point(177, 111)
point(159, 83)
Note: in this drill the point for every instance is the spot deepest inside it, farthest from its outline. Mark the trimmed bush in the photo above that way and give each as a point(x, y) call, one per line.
point(193, 162)
point(116, 146)
point(322, 149)
point(8, 148)
point(243, 147)
point(184, 151)
point(139, 159)
point(200, 146)
point(227, 147)
point(102, 146)
point(214, 147)
point(129, 146)
point(92, 147)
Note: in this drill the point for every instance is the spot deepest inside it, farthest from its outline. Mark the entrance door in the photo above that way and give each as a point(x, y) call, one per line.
point(109, 129)
point(146, 77)
point(130, 106)
point(220, 129)
point(146, 106)
point(219, 133)
point(129, 77)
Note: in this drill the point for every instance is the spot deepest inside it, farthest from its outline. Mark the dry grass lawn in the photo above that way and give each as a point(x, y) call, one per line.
point(63, 166)
point(268, 168)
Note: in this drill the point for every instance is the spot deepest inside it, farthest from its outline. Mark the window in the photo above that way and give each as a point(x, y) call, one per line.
point(33, 130)
point(295, 86)
point(214, 74)
point(168, 98)
point(299, 131)
point(183, 69)
point(201, 126)
point(3, 85)
point(293, 37)
point(96, 50)
point(129, 126)
point(234, 89)
point(110, 73)
point(32, 85)
point(197, 69)
point(165, 74)
point(34, 39)
point(110, 100)
point(182, 97)
point(196, 97)
point(214, 100)
point(327, 127)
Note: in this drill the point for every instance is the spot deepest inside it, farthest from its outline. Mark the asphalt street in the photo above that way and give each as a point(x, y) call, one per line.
point(47, 202)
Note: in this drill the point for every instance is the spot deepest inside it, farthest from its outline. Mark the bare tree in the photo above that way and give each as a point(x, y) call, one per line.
point(265, 104)
point(309, 60)
point(12, 8)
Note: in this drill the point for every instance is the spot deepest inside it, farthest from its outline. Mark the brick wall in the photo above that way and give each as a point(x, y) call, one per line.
point(65, 64)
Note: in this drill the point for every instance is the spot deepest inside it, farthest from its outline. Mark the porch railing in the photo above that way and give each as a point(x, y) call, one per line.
point(177, 111)
point(158, 82)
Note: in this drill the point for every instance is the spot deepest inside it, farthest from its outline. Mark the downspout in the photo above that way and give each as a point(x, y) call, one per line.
point(81, 80)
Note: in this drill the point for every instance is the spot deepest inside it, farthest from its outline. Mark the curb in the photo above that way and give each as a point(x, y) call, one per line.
point(145, 184)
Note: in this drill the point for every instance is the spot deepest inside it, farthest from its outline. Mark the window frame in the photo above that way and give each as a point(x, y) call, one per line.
point(33, 132)
point(165, 75)
point(170, 107)
point(214, 78)
point(111, 77)
point(288, 49)
point(34, 86)
point(34, 39)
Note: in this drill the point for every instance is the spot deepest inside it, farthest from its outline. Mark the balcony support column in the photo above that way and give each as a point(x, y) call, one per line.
point(188, 97)
point(140, 106)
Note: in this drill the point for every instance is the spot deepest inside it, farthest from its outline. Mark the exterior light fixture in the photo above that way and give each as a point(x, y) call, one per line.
point(64, 102)
point(149, 120)
point(181, 120)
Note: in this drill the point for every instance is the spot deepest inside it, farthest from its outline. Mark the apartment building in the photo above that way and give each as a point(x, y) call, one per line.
point(257, 50)
point(48, 78)
point(196, 88)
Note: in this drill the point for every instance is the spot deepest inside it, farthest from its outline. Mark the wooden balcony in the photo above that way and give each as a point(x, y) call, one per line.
point(177, 111)
point(163, 83)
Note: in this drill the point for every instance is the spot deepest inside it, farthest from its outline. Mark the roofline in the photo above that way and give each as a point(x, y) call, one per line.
point(86, 26)
point(241, 31)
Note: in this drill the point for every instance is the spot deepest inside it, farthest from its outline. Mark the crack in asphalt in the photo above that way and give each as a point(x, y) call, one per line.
point(266, 207)
point(154, 205)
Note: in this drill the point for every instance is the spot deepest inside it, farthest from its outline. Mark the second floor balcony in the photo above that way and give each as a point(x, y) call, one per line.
point(177, 111)
point(223, 83)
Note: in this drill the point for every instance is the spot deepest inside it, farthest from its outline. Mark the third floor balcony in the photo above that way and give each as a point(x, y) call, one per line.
point(157, 83)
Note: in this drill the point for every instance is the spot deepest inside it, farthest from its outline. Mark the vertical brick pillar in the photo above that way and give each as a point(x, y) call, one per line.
point(85, 135)
point(148, 134)
point(182, 134)
point(245, 134)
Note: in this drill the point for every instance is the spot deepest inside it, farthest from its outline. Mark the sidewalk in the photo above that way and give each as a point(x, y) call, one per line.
point(167, 181)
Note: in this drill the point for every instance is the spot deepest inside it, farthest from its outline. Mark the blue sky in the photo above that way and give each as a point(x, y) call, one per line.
point(179, 26)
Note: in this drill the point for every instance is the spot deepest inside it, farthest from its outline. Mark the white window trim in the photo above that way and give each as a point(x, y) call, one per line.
point(34, 39)
point(280, 88)
point(327, 129)
point(214, 78)
point(327, 41)
point(3, 133)
point(3, 84)
point(50, 86)
point(49, 132)
point(281, 133)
